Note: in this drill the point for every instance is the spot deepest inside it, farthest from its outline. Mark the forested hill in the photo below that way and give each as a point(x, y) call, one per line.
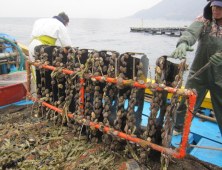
point(173, 10)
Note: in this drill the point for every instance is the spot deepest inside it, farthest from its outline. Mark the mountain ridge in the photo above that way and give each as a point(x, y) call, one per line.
point(173, 10)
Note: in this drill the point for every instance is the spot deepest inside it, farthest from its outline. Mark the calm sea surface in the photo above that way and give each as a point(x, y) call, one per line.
point(108, 34)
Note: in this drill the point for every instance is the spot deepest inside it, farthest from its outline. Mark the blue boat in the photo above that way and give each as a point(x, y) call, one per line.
point(199, 136)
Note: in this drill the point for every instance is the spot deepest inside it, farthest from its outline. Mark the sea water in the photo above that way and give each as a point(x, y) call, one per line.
point(109, 34)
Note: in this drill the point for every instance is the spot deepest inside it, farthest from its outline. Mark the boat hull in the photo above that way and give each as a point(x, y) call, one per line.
point(11, 94)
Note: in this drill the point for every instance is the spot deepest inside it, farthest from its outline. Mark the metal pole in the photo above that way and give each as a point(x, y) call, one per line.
point(28, 79)
point(7, 55)
point(142, 22)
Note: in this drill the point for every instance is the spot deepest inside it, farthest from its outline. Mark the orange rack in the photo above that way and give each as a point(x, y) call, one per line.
point(177, 153)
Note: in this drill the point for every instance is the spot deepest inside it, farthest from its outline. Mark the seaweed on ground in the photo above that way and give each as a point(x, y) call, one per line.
point(28, 142)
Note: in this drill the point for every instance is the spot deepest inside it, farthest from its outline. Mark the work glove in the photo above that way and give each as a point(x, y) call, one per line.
point(181, 50)
point(216, 59)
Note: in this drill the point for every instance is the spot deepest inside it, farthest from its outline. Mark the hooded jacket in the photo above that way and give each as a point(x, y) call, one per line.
point(209, 34)
point(50, 27)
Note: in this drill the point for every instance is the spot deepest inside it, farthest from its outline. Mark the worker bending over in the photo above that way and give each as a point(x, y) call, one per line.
point(48, 30)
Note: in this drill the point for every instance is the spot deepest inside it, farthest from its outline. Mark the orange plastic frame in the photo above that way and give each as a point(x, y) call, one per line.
point(177, 153)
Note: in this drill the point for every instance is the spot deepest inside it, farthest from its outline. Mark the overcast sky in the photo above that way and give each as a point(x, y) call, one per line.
point(112, 9)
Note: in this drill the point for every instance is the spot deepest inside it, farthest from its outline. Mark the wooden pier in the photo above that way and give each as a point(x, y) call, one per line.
point(172, 31)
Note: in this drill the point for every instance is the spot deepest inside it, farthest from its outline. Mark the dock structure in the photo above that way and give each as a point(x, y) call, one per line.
point(172, 31)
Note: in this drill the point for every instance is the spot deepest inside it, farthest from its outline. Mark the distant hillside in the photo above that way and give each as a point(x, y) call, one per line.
point(173, 10)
